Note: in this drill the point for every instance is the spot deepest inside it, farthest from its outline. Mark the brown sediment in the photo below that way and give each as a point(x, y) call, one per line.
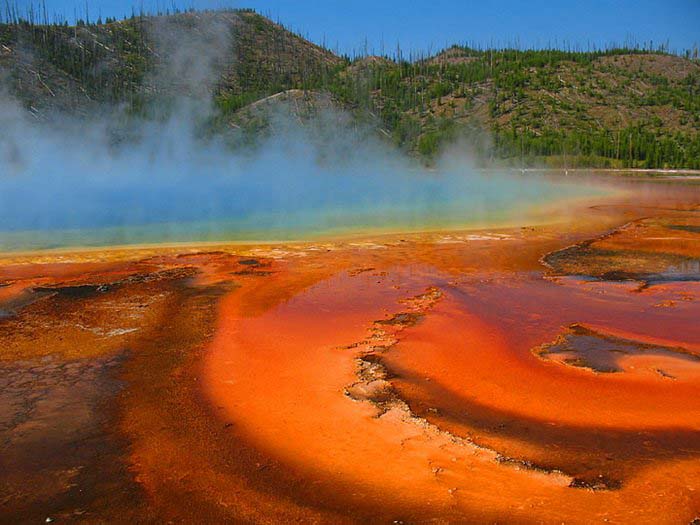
point(584, 347)
point(373, 384)
point(650, 250)
point(61, 359)
point(390, 379)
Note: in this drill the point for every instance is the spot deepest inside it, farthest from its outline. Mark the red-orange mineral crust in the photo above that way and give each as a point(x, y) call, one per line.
point(547, 374)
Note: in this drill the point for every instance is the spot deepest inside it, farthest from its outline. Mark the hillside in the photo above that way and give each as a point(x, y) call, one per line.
point(613, 108)
point(71, 68)
point(609, 108)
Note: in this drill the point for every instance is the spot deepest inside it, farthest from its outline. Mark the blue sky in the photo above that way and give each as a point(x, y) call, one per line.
point(431, 25)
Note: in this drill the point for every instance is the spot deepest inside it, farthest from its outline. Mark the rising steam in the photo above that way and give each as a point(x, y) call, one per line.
point(67, 181)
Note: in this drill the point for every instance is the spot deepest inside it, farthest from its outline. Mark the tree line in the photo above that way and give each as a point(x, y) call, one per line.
point(519, 98)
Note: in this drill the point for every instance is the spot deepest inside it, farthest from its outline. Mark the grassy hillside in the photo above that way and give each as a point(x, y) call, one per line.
point(617, 107)
point(612, 108)
point(57, 66)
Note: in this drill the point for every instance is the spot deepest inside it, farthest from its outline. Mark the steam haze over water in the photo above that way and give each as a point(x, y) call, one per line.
point(67, 182)
point(67, 185)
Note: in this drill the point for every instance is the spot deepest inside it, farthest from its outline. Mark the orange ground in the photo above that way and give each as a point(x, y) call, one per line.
point(281, 376)
point(397, 379)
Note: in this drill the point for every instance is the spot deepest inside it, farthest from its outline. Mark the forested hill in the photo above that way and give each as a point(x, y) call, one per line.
point(611, 108)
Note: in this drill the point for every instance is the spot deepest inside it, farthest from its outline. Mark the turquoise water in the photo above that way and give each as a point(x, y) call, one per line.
point(72, 186)
point(240, 211)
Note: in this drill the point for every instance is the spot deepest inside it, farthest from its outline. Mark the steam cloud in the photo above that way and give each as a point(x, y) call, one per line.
point(66, 181)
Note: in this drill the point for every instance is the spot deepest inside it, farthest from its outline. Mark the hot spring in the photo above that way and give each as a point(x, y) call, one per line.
point(72, 185)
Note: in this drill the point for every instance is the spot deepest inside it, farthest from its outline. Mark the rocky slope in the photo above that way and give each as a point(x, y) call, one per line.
point(615, 108)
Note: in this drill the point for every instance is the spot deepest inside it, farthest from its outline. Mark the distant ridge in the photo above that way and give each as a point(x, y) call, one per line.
point(611, 108)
